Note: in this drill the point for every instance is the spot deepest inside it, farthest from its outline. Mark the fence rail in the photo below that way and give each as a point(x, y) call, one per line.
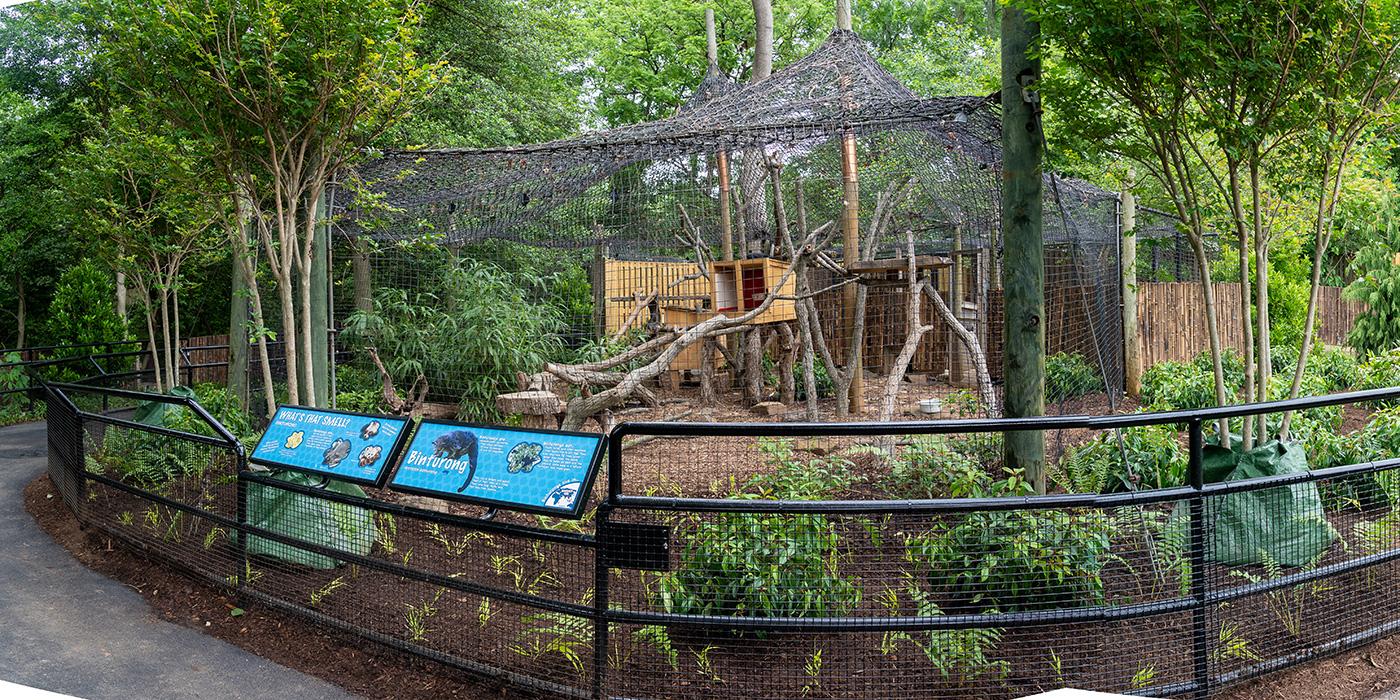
point(626, 604)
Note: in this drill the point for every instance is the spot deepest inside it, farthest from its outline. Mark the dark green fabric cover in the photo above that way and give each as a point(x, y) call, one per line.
point(154, 412)
point(1286, 523)
point(315, 520)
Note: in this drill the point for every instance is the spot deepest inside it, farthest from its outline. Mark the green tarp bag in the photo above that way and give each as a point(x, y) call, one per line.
point(1287, 524)
point(155, 412)
point(316, 520)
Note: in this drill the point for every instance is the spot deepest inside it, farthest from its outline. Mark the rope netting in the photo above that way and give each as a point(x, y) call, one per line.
point(580, 249)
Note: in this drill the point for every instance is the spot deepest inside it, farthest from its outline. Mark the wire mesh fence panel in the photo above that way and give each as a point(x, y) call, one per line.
point(825, 240)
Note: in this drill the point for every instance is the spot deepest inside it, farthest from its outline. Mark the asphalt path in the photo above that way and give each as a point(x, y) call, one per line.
point(67, 629)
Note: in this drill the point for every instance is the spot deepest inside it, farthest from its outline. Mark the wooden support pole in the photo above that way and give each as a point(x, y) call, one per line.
point(1132, 342)
point(1021, 227)
point(726, 232)
point(843, 15)
point(957, 367)
point(851, 256)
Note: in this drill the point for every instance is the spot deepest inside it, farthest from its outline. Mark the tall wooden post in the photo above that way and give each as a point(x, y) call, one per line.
point(1132, 348)
point(320, 308)
point(1024, 353)
point(726, 231)
point(850, 220)
point(238, 327)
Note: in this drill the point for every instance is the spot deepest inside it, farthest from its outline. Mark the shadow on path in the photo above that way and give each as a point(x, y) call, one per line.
point(71, 630)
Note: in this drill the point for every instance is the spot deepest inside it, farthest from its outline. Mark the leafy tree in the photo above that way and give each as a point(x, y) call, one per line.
point(83, 309)
point(282, 94)
point(145, 199)
point(1377, 270)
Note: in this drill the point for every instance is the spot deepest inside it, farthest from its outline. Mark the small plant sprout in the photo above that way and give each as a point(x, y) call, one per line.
point(125, 518)
point(1144, 677)
point(385, 531)
point(483, 611)
point(455, 546)
point(660, 640)
point(704, 664)
point(214, 535)
point(1231, 645)
point(417, 616)
point(556, 633)
point(330, 587)
point(813, 671)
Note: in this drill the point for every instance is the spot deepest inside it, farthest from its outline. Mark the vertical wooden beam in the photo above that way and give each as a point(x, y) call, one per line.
point(1024, 352)
point(726, 231)
point(851, 255)
point(1132, 342)
point(957, 364)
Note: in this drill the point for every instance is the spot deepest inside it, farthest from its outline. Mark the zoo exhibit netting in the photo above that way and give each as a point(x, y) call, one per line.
point(583, 247)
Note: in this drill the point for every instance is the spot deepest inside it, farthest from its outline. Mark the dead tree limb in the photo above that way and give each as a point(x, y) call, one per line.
point(916, 332)
point(974, 348)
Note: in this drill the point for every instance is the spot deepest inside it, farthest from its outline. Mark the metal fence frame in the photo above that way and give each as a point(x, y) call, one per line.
point(67, 468)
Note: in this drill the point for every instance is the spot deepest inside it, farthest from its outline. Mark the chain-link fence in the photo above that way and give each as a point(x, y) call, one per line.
point(795, 560)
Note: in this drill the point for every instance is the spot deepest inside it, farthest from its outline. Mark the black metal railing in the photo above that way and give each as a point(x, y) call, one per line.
point(592, 612)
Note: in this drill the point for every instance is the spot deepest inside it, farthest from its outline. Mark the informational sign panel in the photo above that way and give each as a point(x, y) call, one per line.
point(348, 446)
point(538, 471)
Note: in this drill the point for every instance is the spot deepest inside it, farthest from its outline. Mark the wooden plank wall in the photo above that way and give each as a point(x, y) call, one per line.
point(628, 277)
point(1171, 318)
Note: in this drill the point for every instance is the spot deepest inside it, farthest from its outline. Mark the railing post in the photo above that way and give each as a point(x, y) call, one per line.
point(1199, 633)
point(600, 558)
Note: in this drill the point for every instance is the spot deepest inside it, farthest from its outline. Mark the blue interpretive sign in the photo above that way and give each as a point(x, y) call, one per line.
point(539, 471)
point(352, 447)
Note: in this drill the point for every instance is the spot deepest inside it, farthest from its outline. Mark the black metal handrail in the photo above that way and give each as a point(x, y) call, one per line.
point(604, 612)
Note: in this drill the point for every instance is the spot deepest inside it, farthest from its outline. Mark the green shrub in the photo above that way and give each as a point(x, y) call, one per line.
point(825, 387)
point(84, 308)
point(1283, 359)
point(1231, 363)
point(152, 460)
point(1069, 376)
point(767, 565)
point(1170, 386)
point(1018, 560)
point(1381, 371)
point(1377, 284)
point(1154, 460)
point(759, 565)
point(941, 467)
point(469, 333)
point(1337, 368)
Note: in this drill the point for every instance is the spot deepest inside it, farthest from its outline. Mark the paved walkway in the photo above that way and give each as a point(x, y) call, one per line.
point(70, 630)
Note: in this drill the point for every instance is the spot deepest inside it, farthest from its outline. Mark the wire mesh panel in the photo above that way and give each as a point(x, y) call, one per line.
point(824, 239)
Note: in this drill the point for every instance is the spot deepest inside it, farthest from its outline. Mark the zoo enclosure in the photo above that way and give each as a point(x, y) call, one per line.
point(573, 609)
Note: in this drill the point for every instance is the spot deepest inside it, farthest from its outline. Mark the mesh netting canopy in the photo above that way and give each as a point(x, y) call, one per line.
point(660, 191)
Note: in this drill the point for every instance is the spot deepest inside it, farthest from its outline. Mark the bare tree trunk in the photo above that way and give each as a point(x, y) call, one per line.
point(121, 296)
point(170, 378)
point(753, 366)
point(175, 304)
point(289, 341)
point(787, 359)
point(707, 373)
point(912, 338)
point(359, 263)
point(755, 206)
point(1246, 315)
point(1261, 264)
point(151, 338)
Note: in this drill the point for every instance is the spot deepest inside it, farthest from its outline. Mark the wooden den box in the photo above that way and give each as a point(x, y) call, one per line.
point(740, 286)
